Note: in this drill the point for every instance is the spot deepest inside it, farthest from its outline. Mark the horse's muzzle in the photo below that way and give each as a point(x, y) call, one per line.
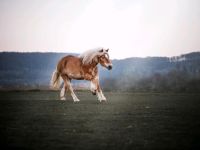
point(109, 67)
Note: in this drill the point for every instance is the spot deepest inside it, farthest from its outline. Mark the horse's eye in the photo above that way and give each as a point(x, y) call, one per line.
point(101, 50)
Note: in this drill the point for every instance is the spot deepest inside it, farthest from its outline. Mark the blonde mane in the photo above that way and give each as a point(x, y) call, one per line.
point(89, 55)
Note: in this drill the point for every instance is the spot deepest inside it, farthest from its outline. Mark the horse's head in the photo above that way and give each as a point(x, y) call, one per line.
point(104, 59)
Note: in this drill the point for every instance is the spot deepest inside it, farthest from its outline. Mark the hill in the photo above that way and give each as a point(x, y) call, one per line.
point(33, 71)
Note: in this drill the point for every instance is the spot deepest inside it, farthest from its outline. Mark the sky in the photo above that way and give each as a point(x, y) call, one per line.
point(129, 28)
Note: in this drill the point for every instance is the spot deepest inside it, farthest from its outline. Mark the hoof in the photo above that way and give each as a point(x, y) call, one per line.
point(103, 101)
point(63, 99)
point(93, 93)
point(76, 101)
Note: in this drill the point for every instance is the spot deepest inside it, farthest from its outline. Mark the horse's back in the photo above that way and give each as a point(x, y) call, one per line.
point(69, 65)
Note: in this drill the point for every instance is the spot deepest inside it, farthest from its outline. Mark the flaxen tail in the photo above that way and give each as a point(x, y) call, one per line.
point(55, 80)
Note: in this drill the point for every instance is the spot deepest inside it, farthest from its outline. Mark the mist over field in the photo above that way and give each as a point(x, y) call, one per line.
point(160, 74)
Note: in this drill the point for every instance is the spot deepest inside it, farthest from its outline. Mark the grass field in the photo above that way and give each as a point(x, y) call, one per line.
point(38, 120)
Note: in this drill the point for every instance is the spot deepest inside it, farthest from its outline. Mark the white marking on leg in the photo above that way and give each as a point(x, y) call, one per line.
point(92, 87)
point(102, 96)
point(99, 96)
point(72, 92)
point(74, 97)
point(62, 93)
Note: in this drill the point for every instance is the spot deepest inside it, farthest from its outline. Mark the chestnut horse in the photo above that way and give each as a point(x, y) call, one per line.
point(83, 67)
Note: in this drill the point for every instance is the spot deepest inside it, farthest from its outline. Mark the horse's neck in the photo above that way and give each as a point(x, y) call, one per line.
point(90, 66)
point(94, 65)
point(89, 71)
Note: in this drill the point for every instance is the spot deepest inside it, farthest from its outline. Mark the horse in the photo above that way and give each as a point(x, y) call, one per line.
point(82, 67)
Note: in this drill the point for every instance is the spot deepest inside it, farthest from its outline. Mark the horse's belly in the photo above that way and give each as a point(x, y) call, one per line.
point(75, 76)
point(80, 77)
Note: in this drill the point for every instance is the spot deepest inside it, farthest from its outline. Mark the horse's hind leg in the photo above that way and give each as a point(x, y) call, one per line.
point(63, 92)
point(69, 87)
point(72, 92)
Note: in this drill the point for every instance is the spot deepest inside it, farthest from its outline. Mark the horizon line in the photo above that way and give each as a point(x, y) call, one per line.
point(80, 53)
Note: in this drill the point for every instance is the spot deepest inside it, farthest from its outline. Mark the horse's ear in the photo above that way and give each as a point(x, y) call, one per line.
point(107, 50)
point(101, 50)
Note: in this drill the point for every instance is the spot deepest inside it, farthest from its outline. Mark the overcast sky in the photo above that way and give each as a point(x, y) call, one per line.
point(128, 27)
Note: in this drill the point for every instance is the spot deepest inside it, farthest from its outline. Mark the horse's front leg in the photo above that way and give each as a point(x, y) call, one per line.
point(96, 89)
point(93, 87)
point(69, 87)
